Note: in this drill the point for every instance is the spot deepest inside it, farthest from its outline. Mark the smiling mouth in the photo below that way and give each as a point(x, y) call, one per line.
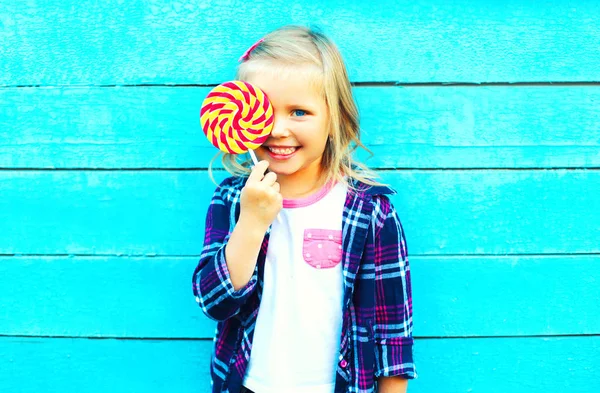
point(284, 151)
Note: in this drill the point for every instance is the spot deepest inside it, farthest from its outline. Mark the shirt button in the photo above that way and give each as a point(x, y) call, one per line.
point(343, 363)
point(330, 237)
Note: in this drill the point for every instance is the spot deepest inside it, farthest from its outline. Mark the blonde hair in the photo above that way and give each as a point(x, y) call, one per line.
point(297, 48)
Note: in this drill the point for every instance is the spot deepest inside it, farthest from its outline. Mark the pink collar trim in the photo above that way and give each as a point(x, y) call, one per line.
point(309, 200)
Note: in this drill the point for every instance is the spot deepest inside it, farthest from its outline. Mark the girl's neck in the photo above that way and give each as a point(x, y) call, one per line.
point(294, 187)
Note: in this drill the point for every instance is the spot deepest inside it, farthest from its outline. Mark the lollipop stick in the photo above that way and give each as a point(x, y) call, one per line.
point(253, 156)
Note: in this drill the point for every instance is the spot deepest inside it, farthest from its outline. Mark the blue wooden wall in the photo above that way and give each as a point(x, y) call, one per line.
point(484, 115)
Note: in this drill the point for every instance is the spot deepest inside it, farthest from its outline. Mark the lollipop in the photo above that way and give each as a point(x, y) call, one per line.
point(237, 117)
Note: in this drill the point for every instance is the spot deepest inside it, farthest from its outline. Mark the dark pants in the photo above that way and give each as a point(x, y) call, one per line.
point(244, 390)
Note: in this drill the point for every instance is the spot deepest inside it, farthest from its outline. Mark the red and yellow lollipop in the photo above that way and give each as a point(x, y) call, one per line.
point(237, 117)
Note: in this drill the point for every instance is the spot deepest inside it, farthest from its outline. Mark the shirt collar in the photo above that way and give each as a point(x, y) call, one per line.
point(367, 189)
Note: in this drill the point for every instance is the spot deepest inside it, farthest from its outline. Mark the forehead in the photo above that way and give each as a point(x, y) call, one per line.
point(284, 83)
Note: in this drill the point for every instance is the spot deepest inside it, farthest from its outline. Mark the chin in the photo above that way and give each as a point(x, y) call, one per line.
point(281, 169)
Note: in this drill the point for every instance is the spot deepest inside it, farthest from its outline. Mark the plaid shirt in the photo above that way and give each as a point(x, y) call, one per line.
point(376, 338)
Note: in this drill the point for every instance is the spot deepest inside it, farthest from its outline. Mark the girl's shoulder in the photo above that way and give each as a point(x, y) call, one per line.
point(378, 196)
point(230, 188)
point(371, 191)
point(236, 182)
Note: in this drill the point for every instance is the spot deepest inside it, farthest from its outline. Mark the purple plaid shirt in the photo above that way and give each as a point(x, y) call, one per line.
point(376, 338)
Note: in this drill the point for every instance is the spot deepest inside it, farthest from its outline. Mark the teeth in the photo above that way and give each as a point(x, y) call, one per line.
point(282, 151)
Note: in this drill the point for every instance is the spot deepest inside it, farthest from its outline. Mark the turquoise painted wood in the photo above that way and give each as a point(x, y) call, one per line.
point(103, 183)
point(189, 42)
point(438, 127)
point(499, 365)
point(118, 297)
point(447, 212)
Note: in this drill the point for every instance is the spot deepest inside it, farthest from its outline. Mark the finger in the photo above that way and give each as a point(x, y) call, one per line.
point(276, 187)
point(258, 172)
point(270, 178)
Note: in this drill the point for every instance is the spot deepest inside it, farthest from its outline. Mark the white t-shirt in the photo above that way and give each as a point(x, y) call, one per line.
point(298, 328)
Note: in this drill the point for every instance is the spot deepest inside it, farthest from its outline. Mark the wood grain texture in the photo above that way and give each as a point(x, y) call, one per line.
point(189, 42)
point(436, 127)
point(498, 185)
point(152, 297)
point(162, 212)
point(499, 365)
point(68, 365)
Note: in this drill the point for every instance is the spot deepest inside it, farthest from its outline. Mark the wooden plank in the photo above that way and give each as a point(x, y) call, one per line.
point(68, 365)
point(438, 127)
point(188, 42)
point(152, 297)
point(502, 365)
point(162, 212)
point(529, 365)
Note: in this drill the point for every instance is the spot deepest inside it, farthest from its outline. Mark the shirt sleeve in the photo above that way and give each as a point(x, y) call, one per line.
point(211, 281)
point(393, 322)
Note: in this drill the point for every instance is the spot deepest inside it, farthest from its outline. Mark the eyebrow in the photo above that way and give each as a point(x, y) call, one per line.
point(303, 106)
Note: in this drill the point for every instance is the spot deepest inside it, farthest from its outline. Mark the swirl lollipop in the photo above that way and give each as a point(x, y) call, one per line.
point(237, 117)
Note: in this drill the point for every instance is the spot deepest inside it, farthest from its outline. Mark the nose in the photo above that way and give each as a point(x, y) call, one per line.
point(280, 128)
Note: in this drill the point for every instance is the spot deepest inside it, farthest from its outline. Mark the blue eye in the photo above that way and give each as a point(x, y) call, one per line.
point(299, 112)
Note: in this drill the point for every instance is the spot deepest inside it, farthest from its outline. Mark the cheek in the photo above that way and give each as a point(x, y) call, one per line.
point(317, 144)
point(317, 133)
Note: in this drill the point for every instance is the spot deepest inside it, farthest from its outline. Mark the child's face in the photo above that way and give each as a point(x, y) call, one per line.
point(297, 142)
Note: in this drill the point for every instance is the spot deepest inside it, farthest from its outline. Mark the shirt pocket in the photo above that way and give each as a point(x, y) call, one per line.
point(322, 248)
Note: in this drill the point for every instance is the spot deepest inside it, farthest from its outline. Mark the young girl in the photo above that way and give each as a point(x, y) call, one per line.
point(319, 299)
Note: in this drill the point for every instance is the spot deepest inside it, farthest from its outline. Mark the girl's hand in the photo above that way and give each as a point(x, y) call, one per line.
point(260, 200)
